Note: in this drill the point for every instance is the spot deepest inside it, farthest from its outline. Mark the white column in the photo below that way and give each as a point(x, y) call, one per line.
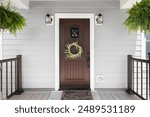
point(0, 58)
point(0, 46)
point(143, 51)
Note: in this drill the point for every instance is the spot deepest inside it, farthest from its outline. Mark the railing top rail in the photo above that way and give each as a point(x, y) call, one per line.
point(8, 60)
point(141, 60)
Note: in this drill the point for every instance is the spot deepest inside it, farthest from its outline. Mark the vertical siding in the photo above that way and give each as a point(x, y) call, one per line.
point(36, 43)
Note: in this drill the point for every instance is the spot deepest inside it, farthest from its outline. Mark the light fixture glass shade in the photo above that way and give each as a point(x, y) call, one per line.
point(48, 19)
point(99, 19)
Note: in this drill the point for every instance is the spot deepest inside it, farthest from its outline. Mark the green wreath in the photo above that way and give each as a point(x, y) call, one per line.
point(70, 54)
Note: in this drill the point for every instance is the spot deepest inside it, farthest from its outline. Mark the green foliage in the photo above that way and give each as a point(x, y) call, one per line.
point(139, 17)
point(11, 20)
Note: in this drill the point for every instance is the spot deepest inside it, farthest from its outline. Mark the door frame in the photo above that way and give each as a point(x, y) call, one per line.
point(57, 62)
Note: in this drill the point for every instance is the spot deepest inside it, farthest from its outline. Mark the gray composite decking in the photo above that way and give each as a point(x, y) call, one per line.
point(99, 94)
point(32, 95)
point(115, 94)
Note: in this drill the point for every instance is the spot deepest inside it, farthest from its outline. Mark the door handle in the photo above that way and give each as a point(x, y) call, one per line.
point(88, 59)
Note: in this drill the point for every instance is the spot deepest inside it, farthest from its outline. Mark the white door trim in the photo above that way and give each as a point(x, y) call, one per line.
point(75, 16)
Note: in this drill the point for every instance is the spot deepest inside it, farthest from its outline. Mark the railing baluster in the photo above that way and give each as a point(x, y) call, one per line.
point(137, 77)
point(133, 74)
point(142, 79)
point(11, 78)
point(146, 80)
point(15, 75)
point(6, 79)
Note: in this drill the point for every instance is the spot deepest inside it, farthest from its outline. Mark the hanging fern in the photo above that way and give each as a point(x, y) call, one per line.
point(10, 20)
point(139, 17)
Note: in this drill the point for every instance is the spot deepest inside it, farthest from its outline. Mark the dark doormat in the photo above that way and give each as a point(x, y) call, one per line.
point(77, 95)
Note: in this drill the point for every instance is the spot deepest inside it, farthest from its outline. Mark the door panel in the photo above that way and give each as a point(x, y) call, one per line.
point(75, 73)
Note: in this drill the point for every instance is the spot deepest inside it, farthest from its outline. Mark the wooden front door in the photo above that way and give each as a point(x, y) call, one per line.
point(75, 73)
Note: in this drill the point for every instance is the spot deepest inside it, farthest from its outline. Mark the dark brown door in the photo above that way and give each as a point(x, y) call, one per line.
point(75, 73)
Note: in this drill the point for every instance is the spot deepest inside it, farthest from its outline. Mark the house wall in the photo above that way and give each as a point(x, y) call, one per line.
point(36, 43)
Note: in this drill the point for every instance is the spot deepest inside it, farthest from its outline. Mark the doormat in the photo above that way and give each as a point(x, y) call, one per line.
point(77, 95)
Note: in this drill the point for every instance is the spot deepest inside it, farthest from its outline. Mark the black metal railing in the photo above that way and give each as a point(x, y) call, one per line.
point(139, 77)
point(11, 77)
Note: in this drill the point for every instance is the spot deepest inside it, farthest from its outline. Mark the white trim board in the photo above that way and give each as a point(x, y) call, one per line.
point(75, 16)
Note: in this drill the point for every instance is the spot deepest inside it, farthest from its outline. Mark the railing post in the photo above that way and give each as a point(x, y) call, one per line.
point(130, 71)
point(19, 75)
point(1, 82)
point(148, 56)
point(149, 74)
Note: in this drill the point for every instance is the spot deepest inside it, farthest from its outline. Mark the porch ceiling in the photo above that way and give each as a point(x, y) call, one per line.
point(125, 4)
point(74, 0)
point(24, 4)
point(20, 4)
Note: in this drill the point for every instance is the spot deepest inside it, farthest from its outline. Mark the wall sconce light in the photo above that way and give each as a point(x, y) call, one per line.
point(99, 19)
point(49, 19)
